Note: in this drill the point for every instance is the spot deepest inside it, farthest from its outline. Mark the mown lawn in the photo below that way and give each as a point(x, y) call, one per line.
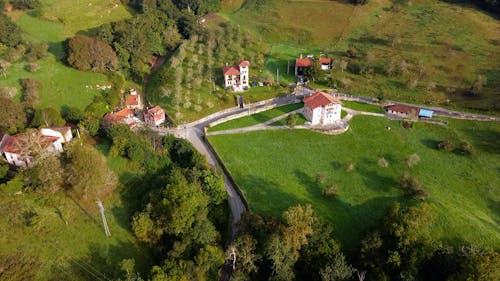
point(257, 118)
point(362, 106)
point(278, 169)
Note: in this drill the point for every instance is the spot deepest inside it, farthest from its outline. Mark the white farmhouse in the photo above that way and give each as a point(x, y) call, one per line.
point(322, 109)
point(236, 76)
point(17, 149)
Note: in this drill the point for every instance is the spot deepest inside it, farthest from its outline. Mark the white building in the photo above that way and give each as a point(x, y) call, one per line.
point(322, 109)
point(154, 116)
point(17, 149)
point(236, 76)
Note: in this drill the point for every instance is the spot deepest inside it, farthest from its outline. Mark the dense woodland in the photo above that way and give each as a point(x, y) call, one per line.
point(180, 209)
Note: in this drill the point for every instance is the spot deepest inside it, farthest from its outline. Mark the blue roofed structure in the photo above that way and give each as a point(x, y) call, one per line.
point(425, 113)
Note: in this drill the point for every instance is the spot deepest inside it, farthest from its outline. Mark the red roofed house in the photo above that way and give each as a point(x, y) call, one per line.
point(322, 109)
point(236, 76)
point(18, 149)
point(133, 101)
point(326, 63)
point(301, 64)
point(124, 116)
point(154, 116)
point(404, 111)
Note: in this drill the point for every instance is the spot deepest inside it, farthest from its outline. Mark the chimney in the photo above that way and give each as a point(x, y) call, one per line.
point(300, 56)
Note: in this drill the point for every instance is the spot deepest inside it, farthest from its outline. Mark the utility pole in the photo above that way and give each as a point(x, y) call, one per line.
point(277, 76)
point(104, 222)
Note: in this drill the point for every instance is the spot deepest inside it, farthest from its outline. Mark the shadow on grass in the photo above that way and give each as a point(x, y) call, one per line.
point(430, 143)
point(487, 140)
point(103, 261)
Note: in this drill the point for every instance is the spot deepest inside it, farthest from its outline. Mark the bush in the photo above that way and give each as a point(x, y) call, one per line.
point(412, 160)
point(413, 187)
point(37, 51)
point(291, 120)
point(382, 162)
point(8, 92)
point(320, 178)
point(446, 145)
point(33, 67)
point(31, 89)
point(332, 190)
point(466, 148)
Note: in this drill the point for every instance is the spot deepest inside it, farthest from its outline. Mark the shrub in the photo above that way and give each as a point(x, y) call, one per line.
point(33, 67)
point(37, 51)
point(332, 190)
point(291, 120)
point(8, 92)
point(320, 178)
point(466, 148)
point(412, 160)
point(31, 89)
point(382, 162)
point(413, 187)
point(446, 145)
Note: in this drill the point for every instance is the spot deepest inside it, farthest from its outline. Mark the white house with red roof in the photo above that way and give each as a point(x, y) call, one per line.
point(236, 76)
point(18, 149)
point(301, 64)
point(322, 109)
point(325, 63)
point(154, 116)
point(133, 100)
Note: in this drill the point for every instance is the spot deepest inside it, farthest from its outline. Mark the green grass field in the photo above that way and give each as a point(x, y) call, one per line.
point(362, 106)
point(61, 84)
point(257, 118)
point(277, 169)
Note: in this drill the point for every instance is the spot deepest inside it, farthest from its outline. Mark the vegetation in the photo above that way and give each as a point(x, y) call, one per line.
point(86, 53)
point(366, 189)
point(257, 118)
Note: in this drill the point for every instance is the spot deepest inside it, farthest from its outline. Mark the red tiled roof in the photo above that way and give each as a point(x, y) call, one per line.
point(124, 112)
point(15, 144)
point(303, 62)
point(325, 60)
point(155, 110)
point(402, 108)
point(320, 99)
point(132, 100)
point(230, 70)
point(244, 63)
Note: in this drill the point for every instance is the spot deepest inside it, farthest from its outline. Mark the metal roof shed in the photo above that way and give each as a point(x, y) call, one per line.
point(425, 113)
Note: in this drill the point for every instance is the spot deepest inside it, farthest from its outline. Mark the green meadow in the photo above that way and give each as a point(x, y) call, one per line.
point(278, 169)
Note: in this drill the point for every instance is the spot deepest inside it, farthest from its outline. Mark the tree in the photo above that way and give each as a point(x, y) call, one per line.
point(87, 53)
point(37, 51)
point(87, 173)
point(412, 186)
point(467, 148)
point(47, 174)
point(446, 145)
point(12, 116)
point(343, 64)
point(73, 114)
point(47, 117)
point(337, 270)
point(10, 34)
point(246, 257)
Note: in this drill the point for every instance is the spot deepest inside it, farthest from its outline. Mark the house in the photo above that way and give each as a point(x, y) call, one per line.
point(301, 65)
point(124, 116)
point(236, 76)
point(154, 116)
point(325, 63)
point(322, 109)
point(425, 113)
point(63, 133)
point(402, 110)
point(133, 100)
point(18, 149)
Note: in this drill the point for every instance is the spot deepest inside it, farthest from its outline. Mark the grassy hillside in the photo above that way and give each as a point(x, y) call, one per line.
point(444, 46)
point(61, 84)
point(464, 190)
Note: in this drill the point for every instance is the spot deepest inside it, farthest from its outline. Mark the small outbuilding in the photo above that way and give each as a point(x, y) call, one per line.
point(404, 111)
point(425, 113)
point(301, 64)
point(326, 63)
point(154, 116)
